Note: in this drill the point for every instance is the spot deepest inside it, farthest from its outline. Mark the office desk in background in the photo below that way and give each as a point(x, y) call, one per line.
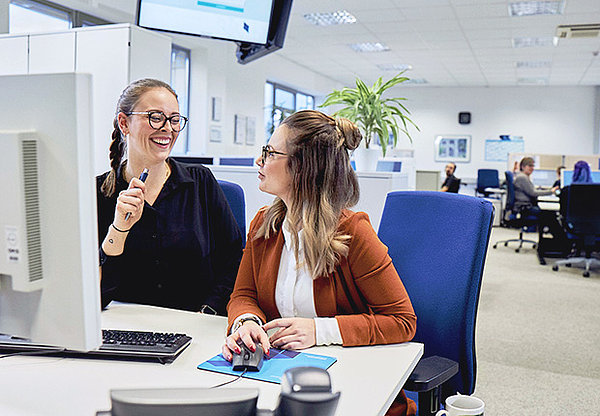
point(368, 377)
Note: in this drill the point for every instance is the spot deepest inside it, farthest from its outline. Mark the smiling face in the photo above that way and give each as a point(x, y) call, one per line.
point(274, 175)
point(146, 143)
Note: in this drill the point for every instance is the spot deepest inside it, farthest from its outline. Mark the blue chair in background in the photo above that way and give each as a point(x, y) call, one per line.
point(235, 196)
point(438, 243)
point(486, 178)
point(515, 219)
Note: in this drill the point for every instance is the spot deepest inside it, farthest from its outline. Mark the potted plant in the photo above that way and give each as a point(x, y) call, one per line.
point(373, 113)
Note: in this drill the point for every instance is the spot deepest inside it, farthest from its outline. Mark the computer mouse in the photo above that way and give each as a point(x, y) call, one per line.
point(248, 360)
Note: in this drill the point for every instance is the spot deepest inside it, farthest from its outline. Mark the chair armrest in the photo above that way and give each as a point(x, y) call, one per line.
point(431, 372)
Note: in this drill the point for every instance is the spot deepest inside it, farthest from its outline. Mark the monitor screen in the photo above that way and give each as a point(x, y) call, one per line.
point(49, 272)
point(238, 20)
point(566, 177)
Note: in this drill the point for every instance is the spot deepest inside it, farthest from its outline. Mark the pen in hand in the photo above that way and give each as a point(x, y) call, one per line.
point(143, 177)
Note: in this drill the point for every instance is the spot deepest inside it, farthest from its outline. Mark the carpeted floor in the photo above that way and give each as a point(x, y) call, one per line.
point(538, 336)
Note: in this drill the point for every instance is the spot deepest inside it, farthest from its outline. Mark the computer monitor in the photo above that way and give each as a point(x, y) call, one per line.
point(49, 273)
point(566, 177)
point(237, 20)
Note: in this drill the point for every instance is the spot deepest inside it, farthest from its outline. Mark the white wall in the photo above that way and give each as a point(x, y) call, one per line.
point(216, 73)
point(552, 120)
point(561, 120)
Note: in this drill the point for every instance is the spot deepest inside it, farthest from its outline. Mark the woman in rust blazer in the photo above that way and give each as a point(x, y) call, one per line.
point(313, 272)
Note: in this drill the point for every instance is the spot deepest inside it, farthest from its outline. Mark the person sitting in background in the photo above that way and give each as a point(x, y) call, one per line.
point(525, 193)
point(313, 271)
point(526, 200)
point(557, 181)
point(452, 183)
point(172, 240)
point(582, 173)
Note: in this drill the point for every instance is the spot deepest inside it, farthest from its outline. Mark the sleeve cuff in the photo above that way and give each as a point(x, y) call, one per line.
point(327, 331)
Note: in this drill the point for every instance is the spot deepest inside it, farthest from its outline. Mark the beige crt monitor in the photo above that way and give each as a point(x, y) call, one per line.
point(49, 273)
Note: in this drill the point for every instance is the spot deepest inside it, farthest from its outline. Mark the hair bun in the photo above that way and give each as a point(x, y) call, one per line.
point(349, 132)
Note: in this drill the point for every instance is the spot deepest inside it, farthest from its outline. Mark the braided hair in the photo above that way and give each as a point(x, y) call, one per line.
point(127, 101)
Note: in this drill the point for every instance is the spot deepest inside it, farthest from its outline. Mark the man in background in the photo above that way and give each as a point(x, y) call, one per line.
point(452, 183)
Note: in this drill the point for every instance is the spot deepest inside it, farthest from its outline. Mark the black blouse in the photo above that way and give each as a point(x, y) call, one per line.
point(185, 250)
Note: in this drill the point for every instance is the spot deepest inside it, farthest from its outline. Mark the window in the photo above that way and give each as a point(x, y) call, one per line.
point(28, 16)
point(180, 81)
point(41, 16)
point(280, 102)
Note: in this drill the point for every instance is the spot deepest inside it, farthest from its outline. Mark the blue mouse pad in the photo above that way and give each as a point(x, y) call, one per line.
point(273, 366)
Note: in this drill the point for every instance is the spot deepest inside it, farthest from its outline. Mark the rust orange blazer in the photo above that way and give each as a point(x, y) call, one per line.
point(364, 293)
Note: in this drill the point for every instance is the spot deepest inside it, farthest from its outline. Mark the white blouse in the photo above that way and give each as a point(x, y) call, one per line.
point(294, 294)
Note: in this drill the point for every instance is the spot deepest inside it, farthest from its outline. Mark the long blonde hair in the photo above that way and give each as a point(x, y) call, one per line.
point(323, 184)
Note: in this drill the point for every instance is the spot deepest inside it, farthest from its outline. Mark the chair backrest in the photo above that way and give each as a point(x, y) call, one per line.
point(438, 243)
point(235, 196)
point(583, 208)
point(487, 178)
point(455, 186)
point(510, 190)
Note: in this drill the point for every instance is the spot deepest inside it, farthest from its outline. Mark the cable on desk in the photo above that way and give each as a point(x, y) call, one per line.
point(34, 352)
point(230, 381)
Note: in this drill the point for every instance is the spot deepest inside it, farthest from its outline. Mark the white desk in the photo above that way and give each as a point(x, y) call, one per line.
point(368, 377)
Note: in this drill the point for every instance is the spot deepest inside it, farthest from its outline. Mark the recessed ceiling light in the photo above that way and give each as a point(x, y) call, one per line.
point(369, 47)
point(394, 67)
point(532, 81)
point(339, 17)
point(531, 8)
point(532, 42)
point(416, 81)
point(533, 64)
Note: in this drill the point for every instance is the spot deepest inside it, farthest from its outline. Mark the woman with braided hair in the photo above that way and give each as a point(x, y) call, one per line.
point(172, 240)
point(314, 272)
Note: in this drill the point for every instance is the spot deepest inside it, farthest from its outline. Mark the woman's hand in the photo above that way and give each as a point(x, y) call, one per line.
point(130, 201)
point(293, 333)
point(248, 334)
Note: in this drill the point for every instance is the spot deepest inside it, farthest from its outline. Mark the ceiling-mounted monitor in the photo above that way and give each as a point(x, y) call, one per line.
point(257, 26)
point(237, 20)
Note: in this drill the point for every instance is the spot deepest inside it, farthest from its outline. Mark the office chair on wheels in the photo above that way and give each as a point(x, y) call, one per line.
point(438, 242)
point(486, 178)
point(515, 219)
point(582, 223)
point(235, 197)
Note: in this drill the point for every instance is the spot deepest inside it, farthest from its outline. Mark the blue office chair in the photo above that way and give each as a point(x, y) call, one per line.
point(486, 178)
point(235, 196)
point(581, 218)
point(515, 219)
point(438, 242)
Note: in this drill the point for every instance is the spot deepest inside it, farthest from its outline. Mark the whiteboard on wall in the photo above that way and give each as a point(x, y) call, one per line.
point(498, 150)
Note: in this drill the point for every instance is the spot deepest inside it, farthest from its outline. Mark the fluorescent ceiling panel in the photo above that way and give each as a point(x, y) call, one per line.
point(533, 8)
point(339, 17)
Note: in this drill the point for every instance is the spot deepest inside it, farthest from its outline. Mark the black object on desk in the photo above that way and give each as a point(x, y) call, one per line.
point(304, 391)
point(248, 360)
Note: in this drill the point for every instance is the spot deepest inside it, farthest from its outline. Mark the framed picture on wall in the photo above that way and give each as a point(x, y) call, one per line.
point(239, 134)
point(250, 130)
point(453, 148)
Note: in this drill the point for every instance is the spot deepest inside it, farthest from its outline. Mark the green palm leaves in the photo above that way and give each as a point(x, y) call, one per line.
point(366, 107)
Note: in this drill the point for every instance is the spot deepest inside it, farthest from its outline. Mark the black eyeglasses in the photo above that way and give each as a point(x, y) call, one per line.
point(158, 119)
point(268, 152)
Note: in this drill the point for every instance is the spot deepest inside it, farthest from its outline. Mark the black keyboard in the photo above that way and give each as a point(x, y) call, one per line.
point(143, 342)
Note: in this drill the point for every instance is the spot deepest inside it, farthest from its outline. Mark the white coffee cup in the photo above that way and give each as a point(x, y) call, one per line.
point(460, 405)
